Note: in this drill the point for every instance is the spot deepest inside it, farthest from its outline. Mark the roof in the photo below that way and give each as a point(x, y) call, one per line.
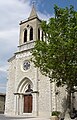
point(2, 94)
point(32, 16)
point(33, 13)
point(12, 58)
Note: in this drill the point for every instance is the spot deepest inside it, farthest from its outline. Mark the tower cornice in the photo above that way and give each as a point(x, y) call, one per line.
point(24, 21)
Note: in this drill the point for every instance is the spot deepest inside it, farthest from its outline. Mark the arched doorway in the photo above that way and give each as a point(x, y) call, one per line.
point(24, 97)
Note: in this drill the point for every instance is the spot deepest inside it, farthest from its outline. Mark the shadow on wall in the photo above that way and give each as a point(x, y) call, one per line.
point(64, 106)
point(73, 112)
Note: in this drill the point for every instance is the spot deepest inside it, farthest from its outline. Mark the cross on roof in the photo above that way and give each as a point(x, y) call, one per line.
point(33, 13)
point(33, 2)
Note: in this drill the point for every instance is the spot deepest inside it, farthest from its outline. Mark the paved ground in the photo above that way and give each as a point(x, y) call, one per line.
point(3, 117)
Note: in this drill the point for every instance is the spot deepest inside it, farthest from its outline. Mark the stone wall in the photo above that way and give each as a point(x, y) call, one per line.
point(44, 95)
point(9, 107)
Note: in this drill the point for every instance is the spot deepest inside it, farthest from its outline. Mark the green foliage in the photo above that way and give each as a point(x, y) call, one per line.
point(57, 55)
point(56, 113)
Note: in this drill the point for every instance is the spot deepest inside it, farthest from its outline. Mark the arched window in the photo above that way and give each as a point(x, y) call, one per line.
point(25, 35)
point(42, 35)
point(31, 33)
point(38, 34)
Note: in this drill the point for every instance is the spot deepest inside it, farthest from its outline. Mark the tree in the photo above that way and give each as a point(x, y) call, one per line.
point(57, 55)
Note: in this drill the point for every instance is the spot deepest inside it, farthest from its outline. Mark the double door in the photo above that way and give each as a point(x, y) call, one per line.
point(28, 103)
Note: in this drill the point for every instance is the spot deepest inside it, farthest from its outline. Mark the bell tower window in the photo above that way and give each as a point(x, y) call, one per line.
point(31, 33)
point(25, 36)
point(42, 35)
point(38, 34)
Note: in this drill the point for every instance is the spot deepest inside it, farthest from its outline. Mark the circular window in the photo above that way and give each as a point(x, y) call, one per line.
point(26, 65)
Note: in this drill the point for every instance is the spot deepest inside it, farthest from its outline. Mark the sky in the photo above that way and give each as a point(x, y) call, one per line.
point(11, 13)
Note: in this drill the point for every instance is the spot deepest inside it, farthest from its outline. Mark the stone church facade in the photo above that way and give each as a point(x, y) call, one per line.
point(28, 91)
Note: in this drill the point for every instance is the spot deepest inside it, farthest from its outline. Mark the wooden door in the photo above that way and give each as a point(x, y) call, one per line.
point(28, 103)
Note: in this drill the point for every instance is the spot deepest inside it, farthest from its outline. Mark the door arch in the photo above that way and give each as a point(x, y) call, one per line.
point(23, 97)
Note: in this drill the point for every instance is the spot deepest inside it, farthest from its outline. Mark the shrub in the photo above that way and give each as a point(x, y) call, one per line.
point(56, 113)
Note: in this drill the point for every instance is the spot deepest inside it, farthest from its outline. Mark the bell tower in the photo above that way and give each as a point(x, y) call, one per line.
point(30, 31)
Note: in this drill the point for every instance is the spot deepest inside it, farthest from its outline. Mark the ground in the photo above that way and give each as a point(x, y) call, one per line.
point(3, 117)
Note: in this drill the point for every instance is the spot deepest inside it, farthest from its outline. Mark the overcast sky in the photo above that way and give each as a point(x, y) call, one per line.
point(11, 13)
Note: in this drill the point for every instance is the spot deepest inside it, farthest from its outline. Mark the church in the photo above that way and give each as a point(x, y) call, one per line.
point(28, 91)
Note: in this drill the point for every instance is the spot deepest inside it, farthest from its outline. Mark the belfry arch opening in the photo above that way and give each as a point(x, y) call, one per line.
point(25, 35)
point(38, 34)
point(31, 33)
